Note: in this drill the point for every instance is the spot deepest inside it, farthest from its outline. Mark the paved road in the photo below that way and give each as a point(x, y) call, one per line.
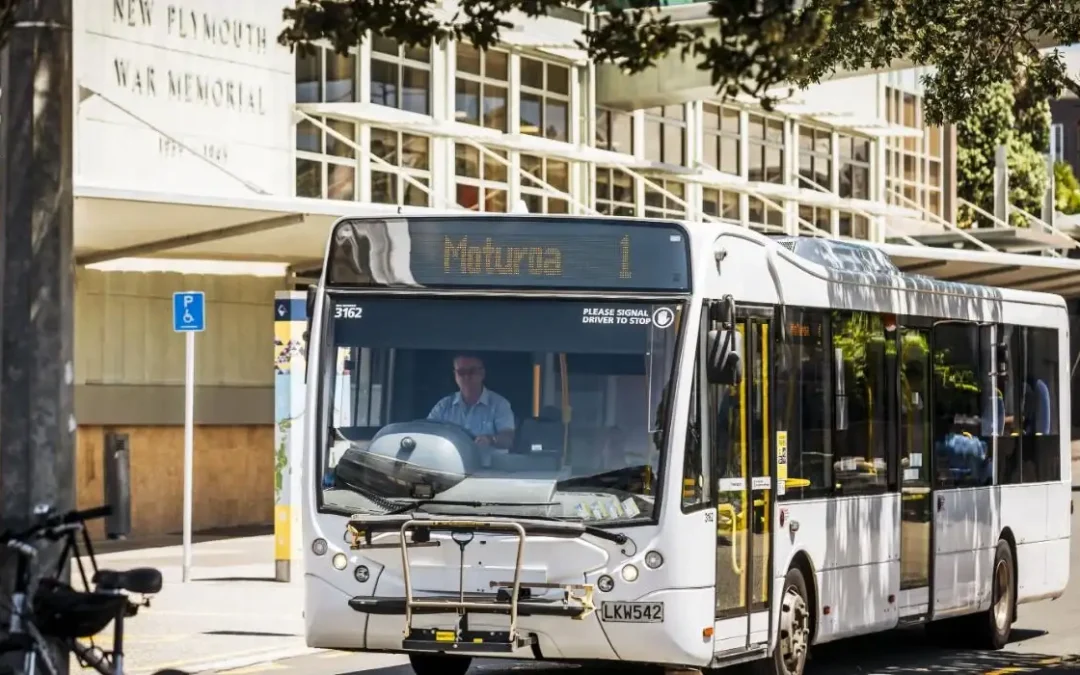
point(1046, 640)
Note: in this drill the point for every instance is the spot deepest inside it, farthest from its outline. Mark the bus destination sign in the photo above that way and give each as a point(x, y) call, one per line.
point(535, 253)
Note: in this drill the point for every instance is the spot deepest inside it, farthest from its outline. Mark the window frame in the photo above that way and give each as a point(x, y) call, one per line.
point(402, 62)
point(545, 93)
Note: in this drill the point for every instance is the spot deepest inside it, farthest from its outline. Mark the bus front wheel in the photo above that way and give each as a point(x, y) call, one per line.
point(793, 638)
point(439, 664)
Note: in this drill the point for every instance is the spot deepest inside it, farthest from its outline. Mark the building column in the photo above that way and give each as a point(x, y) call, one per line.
point(37, 428)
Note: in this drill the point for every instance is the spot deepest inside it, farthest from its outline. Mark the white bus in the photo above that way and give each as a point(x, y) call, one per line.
point(577, 439)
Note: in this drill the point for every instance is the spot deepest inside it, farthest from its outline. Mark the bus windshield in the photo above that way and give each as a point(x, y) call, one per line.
point(517, 407)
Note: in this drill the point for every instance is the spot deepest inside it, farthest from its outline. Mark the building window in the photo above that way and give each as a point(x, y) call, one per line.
point(815, 158)
point(766, 139)
point(325, 165)
point(400, 76)
point(665, 134)
point(481, 87)
point(764, 217)
point(721, 131)
point(615, 131)
point(555, 173)
point(411, 154)
point(721, 204)
point(817, 216)
point(325, 77)
point(854, 167)
point(481, 181)
point(614, 192)
point(913, 165)
point(661, 204)
point(545, 99)
point(1057, 142)
point(853, 226)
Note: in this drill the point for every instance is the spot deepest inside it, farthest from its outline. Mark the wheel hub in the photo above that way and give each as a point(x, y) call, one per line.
point(794, 629)
point(1002, 594)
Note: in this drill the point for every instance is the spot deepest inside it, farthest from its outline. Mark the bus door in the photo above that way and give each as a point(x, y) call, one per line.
point(916, 506)
point(742, 466)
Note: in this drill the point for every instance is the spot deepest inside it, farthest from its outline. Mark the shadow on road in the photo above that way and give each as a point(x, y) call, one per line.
point(905, 652)
point(901, 652)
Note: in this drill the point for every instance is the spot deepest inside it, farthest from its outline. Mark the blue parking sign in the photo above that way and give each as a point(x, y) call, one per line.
point(189, 312)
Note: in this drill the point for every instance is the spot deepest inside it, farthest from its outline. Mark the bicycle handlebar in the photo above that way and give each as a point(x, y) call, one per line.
point(55, 522)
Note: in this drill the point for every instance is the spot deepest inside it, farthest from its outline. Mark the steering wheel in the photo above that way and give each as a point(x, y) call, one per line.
point(451, 424)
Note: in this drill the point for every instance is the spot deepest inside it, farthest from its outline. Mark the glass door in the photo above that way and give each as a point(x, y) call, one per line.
point(915, 471)
point(744, 487)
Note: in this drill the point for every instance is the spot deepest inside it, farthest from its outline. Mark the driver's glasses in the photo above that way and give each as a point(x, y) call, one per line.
point(467, 372)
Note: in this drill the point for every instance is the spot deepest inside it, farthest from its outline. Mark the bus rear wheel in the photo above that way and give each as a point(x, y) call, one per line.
point(439, 664)
point(991, 629)
point(793, 638)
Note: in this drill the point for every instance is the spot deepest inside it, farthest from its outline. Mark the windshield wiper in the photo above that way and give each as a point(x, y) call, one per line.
point(598, 532)
point(413, 505)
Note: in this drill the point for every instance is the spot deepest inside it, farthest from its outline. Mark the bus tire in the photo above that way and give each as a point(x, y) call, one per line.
point(991, 629)
point(439, 664)
point(793, 634)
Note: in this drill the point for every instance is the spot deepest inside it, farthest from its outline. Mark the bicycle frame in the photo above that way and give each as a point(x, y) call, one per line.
point(22, 632)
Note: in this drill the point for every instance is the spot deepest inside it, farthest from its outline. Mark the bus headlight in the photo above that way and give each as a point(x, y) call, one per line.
point(318, 547)
point(605, 583)
point(339, 561)
point(653, 559)
point(361, 573)
point(629, 573)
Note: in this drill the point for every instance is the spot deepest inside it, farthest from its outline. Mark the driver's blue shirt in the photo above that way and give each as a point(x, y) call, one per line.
point(488, 416)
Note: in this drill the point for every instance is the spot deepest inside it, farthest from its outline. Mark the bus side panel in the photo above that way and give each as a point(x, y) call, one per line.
point(966, 529)
point(1024, 512)
point(1059, 526)
point(854, 545)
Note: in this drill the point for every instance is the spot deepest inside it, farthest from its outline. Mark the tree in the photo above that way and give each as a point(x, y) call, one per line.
point(758, 46)
point(1003, 115)
point(1066, 189)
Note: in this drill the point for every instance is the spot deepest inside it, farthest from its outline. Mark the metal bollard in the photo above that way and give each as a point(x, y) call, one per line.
point(117, 459)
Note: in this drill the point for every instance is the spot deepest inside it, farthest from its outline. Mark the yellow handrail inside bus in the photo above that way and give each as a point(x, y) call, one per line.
point(536, 390)
point(765, 463)
point(729, 511)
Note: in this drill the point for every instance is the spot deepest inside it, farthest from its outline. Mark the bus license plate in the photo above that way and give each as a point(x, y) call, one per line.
point(632, 612)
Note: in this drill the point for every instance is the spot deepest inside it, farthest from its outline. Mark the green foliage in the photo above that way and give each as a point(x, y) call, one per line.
point(1003, 115)
point(758, 46)
point(1066, 189)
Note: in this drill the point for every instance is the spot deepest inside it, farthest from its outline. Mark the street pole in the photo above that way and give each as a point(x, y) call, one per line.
point(189, 447)
point(37, 421)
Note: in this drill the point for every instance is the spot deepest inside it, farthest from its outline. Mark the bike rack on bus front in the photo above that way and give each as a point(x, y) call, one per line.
point(462, 638)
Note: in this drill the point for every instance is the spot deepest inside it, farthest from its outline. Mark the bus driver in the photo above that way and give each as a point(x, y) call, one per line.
point(480, 411)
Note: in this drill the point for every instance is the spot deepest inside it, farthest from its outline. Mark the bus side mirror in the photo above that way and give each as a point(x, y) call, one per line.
point(725, 360)
point(312, 291)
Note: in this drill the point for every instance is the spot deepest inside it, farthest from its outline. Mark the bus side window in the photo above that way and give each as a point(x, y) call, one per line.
point(1040, 446)
point(696, 484)
point(1008, 390)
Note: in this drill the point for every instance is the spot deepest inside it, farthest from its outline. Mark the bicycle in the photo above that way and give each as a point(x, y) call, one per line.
point(48, 608)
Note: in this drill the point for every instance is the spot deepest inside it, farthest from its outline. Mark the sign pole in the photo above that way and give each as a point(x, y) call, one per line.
point(189, 447)
point(189, 317)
